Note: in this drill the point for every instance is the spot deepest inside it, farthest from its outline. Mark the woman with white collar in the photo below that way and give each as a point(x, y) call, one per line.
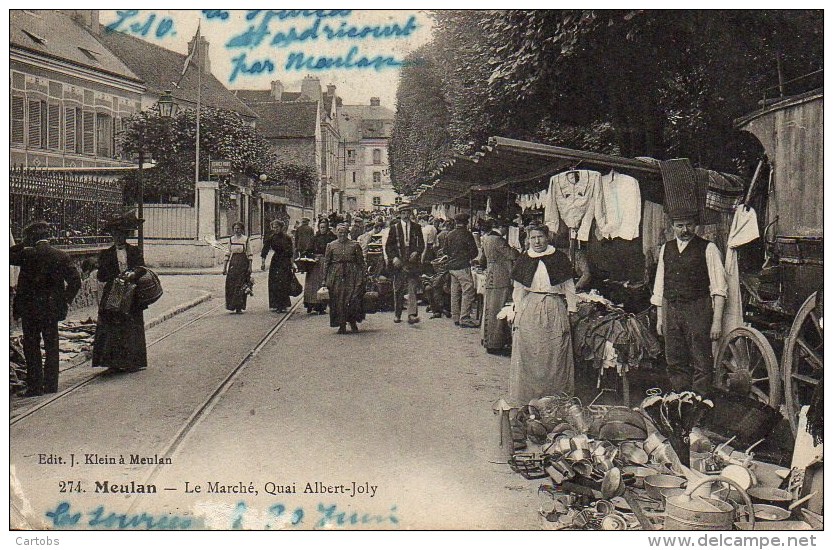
point(542, 349)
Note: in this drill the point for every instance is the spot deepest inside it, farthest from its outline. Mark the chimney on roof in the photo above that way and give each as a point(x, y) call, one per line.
point(311, 88)
point(331, 89)
point(201, 56)
point(277, 90)
point(88, 19)
point(374, 102)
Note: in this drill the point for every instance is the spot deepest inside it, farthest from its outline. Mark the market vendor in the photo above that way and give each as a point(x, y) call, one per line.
point(689, 292)
point(542, 349)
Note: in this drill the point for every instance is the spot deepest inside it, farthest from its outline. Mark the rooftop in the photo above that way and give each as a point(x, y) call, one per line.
point(161, 69)
point(55, 34)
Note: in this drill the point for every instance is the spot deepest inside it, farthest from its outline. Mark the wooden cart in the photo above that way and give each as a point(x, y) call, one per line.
point(789, 287)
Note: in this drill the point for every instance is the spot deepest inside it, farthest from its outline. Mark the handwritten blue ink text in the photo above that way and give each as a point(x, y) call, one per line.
point(62, 517)
point(299, 61)
point(163, 28)
point(240, 67)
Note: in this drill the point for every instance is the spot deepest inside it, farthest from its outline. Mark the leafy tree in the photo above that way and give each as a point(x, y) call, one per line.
point(630, 82)
point(420, 139)
point(223, 135)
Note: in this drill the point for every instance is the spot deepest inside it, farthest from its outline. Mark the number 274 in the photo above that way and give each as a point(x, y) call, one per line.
point(69, 487)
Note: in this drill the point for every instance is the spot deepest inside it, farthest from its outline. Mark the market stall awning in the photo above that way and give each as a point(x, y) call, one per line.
point(513, 164)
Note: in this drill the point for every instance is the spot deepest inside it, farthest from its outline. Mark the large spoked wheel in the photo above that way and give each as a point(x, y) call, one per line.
point(803, 358)
point(745, 360)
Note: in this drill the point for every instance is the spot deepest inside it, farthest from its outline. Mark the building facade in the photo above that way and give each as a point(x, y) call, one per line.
point(68, 93)
point(303, 128)
point(366, 131)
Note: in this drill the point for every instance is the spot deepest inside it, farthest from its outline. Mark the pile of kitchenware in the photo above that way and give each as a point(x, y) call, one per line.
point(614, 468)
point(675, 415)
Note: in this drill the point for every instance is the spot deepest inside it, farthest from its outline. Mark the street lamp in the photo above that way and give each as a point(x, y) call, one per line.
point(167, 109)
point(167, 106)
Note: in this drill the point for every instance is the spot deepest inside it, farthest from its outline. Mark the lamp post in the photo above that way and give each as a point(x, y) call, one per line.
point(167, 109)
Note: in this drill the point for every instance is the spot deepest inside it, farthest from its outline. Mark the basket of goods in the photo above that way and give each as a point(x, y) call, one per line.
point(148, 287)
point(119, 298)
point(305, 263)
point(371, 301)
point(323, 294)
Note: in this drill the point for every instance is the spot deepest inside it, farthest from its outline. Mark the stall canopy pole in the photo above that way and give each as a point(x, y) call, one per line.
point(752, 184)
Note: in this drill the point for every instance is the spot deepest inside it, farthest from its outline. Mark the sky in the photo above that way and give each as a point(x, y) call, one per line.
point(248, 53)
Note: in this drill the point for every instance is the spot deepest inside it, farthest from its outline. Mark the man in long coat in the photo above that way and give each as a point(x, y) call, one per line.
point(47, 284)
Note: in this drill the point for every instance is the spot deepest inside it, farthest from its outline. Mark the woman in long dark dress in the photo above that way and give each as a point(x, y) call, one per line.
point(238, 269)
point(495, 333)
point(119, 343)
point(280, 267)
point(315, 274)
point(344, 277)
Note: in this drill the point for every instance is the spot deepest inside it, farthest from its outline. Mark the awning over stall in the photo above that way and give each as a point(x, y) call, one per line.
point(512, 164)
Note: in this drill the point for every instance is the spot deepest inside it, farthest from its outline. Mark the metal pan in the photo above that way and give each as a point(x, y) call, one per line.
point(767, 512)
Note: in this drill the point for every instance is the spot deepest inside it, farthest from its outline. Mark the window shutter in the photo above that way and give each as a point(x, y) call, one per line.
point(18, 119)
point(69, 131)
point(89, 132)
point(34, 123)
point(54, 127)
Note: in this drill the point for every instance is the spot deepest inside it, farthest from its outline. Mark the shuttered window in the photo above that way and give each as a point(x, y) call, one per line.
point(70, 140)
point(53, 130)
point(36, 121)
point(18, 117)
point(89, 132)
point(104, 135)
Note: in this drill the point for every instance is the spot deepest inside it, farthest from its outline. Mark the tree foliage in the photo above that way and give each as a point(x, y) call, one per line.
point(420, 139)
point(632, 82)
point(223, 135)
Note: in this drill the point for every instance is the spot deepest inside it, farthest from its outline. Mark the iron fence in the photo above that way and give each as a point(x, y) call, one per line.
point(74, 205)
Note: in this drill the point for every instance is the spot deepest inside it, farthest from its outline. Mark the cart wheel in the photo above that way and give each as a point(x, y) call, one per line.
point(745, 359)
point(803, 359)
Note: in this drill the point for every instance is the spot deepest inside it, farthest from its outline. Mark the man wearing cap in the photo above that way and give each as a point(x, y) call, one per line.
point(461, 249)
point(689, 292)
point(404, 247)
point(47, 284)
point(357, 229)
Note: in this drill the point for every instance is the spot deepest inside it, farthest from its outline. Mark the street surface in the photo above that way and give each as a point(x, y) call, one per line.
point(403, 412)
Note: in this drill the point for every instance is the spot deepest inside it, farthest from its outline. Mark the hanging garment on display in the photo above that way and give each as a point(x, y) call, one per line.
point(744, 230)
point(514, 237)
point(570, 197)
point(656, 231)
point(618, 208)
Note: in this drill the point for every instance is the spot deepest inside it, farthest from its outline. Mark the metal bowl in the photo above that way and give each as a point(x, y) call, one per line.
point(630, 453)
point(656, 483)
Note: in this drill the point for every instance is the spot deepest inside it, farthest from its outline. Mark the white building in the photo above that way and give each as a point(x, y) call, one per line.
point(365, 133)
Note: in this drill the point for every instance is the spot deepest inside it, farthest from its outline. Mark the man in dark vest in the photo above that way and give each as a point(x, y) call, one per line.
point(404, 248)
point(47, 284)
point(689, 292)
